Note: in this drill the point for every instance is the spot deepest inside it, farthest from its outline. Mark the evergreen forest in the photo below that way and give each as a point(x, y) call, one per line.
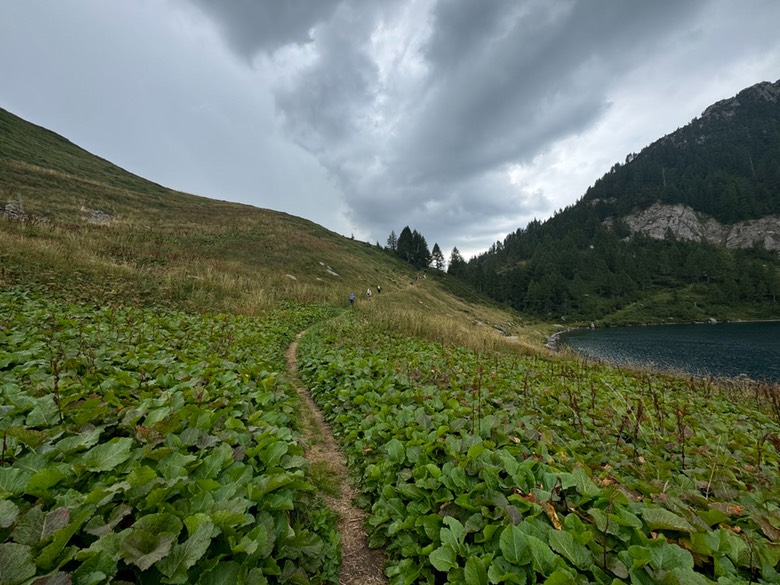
point(584, 263)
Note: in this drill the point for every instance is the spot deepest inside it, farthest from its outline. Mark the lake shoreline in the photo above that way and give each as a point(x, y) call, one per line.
point(553, 340)
point(723, 350)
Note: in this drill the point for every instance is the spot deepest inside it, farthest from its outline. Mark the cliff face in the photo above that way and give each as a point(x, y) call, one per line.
point(686, 224)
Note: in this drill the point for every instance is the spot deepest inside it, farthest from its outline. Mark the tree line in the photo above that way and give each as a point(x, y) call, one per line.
point(411, 246)
point(585, 263)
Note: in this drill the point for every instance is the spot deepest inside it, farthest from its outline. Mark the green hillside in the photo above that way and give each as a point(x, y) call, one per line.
point(78, 224)
point(586, 264)
point(152, 429)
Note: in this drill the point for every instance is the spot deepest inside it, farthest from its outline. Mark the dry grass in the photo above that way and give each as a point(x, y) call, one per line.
point(429, 311)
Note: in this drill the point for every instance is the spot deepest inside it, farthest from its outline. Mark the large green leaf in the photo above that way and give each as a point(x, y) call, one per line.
point(225, 573)
point(9, 512)
point(41, 481)
point(662, 519)
point(83, 440)
point(564, 544)
point(475, 572)
point(49, 557)
point(143, 548)
point(665, 556)
point(29, 527)
point(13, 480)
point(16, 563)
point(200, 530)
point(545, 561)
point(443, 558)
point(514, 545)
point(395, 451)
point(107, 456)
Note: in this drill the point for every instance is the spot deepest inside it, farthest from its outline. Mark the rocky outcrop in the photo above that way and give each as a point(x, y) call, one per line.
point(686, 224)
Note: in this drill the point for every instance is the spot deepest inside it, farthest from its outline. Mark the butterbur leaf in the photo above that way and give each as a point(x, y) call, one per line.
point(143, 548)
point(17, 564)
point(665, 556)
point(98, 527)
point(95, 569)
point(55, 520)
point(272, 455)
point(45, 413)
point(475, 572)
point(662, 519)
point(13, 481)
point(141, 476)
point(159, 523)
point(713, 517)
point(564, 544)
point(585, 485)
point(453, 534)
point(218, 459)
point(183, 556)
point(514, 545)
point(8, 513)
point(443, 558)
point(395, 451)
point(688, 577)
point(107, 456)
point(29, 527)
point(48, 557)
point(223, 574)
point(545, 561)
point(502, 571)
point(84, 440)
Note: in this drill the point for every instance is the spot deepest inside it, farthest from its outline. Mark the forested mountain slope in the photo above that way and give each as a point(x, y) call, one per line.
point(644, 242)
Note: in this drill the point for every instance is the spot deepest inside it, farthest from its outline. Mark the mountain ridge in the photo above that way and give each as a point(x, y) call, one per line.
point(694, 216)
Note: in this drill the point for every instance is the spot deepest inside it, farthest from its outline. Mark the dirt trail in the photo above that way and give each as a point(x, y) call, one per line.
point(360, 565)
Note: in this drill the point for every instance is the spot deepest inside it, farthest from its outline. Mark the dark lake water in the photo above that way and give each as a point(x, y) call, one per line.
point(721, 350)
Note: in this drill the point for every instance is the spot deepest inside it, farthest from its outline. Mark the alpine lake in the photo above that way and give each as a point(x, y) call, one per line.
point(721, 350)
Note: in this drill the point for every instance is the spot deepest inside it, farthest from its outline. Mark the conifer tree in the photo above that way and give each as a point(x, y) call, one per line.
point(437, 257)
point(392, 241)
point(457, 265)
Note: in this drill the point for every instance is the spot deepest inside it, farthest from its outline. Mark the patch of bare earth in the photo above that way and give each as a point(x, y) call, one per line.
point(360, 565)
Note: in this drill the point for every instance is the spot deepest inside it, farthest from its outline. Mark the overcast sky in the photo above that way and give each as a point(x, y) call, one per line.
point(463, 119)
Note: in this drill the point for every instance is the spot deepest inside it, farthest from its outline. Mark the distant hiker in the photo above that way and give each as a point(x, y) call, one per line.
point(352, 299)
point(368, 294)
point(378, 290)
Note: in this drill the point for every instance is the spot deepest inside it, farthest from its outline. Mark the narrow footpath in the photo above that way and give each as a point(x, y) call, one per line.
point(360, 565)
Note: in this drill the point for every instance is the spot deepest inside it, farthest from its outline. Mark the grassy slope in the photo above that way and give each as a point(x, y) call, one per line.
point(92, 230)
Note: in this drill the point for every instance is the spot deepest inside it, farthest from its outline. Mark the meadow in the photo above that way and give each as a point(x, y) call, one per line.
point(148, 446)
point(484, 467)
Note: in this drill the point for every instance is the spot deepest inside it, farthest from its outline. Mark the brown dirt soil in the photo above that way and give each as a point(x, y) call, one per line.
point(360, 565)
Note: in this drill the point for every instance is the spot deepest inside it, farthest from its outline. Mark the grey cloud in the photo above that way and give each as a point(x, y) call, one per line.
point(250, 26)
point(329, 102)
point(503, 82)
point(533, 76)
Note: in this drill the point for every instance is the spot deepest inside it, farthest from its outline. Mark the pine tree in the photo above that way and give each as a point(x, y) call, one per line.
point(392, 241)
point(404, 248)
point(457, 264)
point(437, 257)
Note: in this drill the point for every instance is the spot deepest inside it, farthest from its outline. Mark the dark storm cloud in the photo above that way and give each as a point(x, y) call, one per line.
point(329, 104)
point(250, 26)
point(533, 73)
point(495, 84)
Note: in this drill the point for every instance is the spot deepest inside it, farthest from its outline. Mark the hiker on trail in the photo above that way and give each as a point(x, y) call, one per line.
point(368, 293)
point(352, 299)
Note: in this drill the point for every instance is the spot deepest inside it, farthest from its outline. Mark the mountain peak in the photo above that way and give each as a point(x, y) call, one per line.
point(764, 91)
